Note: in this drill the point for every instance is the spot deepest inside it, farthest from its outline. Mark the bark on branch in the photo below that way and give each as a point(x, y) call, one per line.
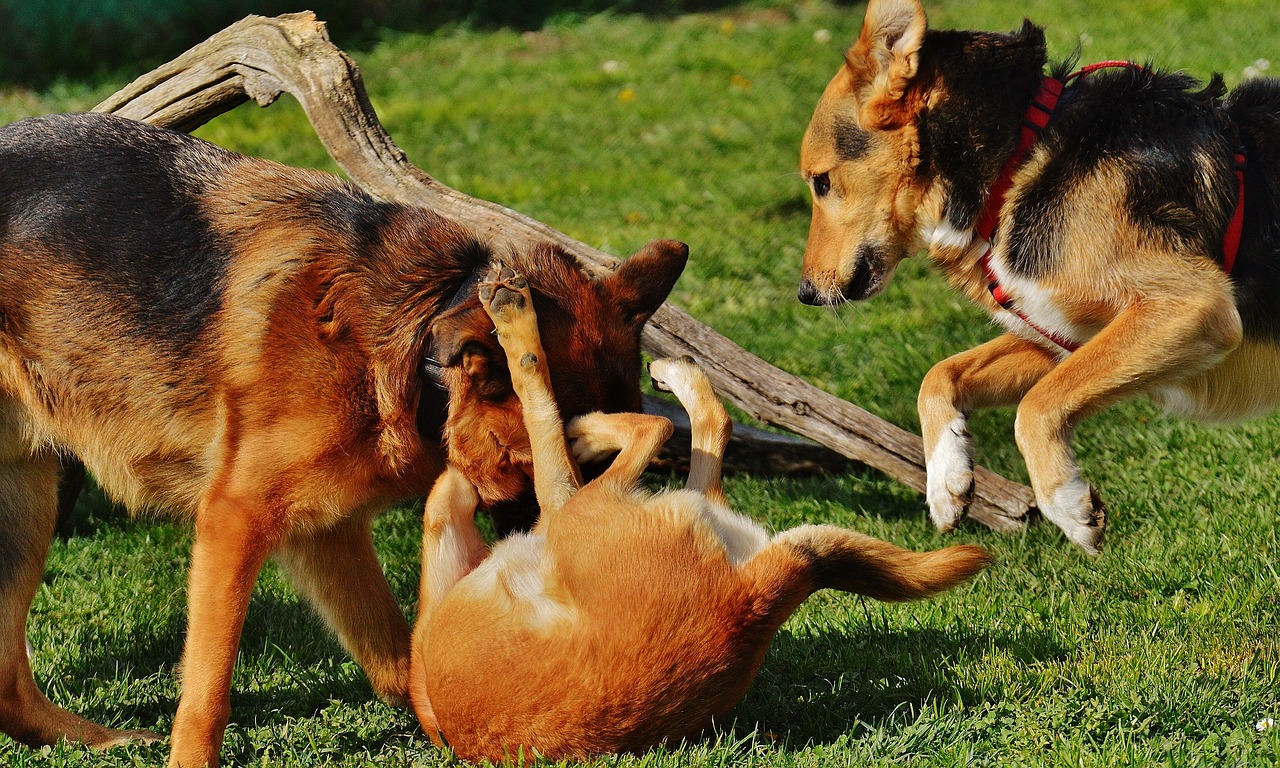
point(260, 58)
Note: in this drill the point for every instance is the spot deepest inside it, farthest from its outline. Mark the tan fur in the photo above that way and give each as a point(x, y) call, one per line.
point(287, 423)
point(1150, 318)
point(624, 619)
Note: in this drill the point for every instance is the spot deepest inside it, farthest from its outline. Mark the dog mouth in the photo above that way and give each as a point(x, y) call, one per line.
point(866, 281)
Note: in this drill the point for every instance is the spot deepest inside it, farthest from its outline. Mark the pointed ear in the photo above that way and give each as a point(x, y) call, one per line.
point(887, 53)
point(640, 285)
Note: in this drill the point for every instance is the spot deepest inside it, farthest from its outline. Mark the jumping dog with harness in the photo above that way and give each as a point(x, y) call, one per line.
point(1119, 222)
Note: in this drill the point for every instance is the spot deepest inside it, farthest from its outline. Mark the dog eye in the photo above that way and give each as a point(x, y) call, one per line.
point(821, 185)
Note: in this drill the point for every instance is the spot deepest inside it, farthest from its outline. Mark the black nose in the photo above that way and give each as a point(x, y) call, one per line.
point(808, 293)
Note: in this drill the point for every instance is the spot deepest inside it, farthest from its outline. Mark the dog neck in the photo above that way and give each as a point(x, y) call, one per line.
point(985, 82)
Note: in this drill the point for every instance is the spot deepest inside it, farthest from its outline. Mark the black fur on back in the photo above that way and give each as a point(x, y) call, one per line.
point(1161, 130)
point(1254, 107)
point(1156, 129)
point(119, 200)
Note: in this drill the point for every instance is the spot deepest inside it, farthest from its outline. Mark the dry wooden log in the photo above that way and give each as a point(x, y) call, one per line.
point(260, 58)
point(750, 450)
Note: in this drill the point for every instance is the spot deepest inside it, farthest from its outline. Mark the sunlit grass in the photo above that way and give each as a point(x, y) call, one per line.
point(617, 129)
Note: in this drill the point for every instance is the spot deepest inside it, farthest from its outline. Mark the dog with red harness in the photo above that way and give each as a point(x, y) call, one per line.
point(1118, 221)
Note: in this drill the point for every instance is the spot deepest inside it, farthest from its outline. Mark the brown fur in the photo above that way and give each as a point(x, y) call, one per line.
point(279, 418)
point(623, 620)
point(1099, 244)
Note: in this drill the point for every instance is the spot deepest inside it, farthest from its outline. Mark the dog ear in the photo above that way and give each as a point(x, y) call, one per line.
point(463, 339)
point(887, 55)
point(642, 282)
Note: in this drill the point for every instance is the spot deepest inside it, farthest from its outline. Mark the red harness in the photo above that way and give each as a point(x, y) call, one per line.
point(1034, 121)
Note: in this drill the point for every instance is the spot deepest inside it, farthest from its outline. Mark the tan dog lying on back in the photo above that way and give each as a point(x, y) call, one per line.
point(625, 619)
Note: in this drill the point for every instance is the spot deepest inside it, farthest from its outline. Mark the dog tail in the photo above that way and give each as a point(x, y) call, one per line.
point(803, 560)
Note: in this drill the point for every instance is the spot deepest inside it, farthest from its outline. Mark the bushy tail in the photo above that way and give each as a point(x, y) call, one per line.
point(803, 560)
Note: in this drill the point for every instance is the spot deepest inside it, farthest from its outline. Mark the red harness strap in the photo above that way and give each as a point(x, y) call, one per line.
point(1034, 121)
point(1231, 238)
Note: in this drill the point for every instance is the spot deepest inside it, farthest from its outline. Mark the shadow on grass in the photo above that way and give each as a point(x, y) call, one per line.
point(861, 490)
point(282, 638)
point(814, 689)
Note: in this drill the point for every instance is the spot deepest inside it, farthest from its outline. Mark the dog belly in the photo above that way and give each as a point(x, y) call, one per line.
point(646, 616)
point(143, 460)
point(1244, 385)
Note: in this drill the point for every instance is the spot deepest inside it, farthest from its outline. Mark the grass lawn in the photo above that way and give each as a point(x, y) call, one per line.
point(617, 129)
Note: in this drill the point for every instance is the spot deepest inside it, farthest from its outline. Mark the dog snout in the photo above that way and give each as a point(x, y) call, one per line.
point(866, 279)
point(809, 293)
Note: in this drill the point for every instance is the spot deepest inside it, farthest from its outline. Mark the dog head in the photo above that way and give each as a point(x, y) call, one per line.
point(591, 334)
point(860, 156)
point(904, 143)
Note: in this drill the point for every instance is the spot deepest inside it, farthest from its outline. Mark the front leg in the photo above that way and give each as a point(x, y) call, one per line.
point(996, 373)
point(338, 572)
point(233, 539)
point(451, 548)
point(1147, 343)
point(505, 297)
point(635, 437)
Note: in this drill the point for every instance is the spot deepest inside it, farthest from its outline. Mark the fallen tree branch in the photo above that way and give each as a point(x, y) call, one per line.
point(260, 58)
point(751, 450)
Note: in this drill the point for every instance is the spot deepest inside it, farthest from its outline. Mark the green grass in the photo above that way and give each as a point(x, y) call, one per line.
point(1165, 650)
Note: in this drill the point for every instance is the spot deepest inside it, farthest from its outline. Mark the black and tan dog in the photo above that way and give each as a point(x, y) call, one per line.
point(240, 343)
point(624, 619)
point(1133, 252)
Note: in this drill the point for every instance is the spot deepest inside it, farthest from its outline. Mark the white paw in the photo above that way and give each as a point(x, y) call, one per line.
point(676, 375)
point(1079, 512)
point(949, 485)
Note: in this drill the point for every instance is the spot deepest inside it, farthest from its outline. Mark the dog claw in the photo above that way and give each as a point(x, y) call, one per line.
point(1081, 514)
point(1090, 536)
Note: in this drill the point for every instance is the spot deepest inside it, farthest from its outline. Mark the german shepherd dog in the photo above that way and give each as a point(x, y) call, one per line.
point(242, 344)
point(624, 619)
point(1112, 265)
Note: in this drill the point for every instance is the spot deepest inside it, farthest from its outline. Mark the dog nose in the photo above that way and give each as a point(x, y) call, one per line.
point(808, 293)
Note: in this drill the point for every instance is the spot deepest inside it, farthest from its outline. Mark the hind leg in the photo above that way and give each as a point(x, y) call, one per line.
point(338, 571)
point(709, 423)
point(710, 429)
point(28, 511)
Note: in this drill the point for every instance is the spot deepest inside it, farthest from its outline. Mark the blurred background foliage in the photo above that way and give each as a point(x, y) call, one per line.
point(41, 40)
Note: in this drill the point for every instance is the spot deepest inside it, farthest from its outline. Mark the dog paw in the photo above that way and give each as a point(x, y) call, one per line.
point(949, 472)
point(1081, 514)
point(504, 293)
point(675, 374)
point(590, 438)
